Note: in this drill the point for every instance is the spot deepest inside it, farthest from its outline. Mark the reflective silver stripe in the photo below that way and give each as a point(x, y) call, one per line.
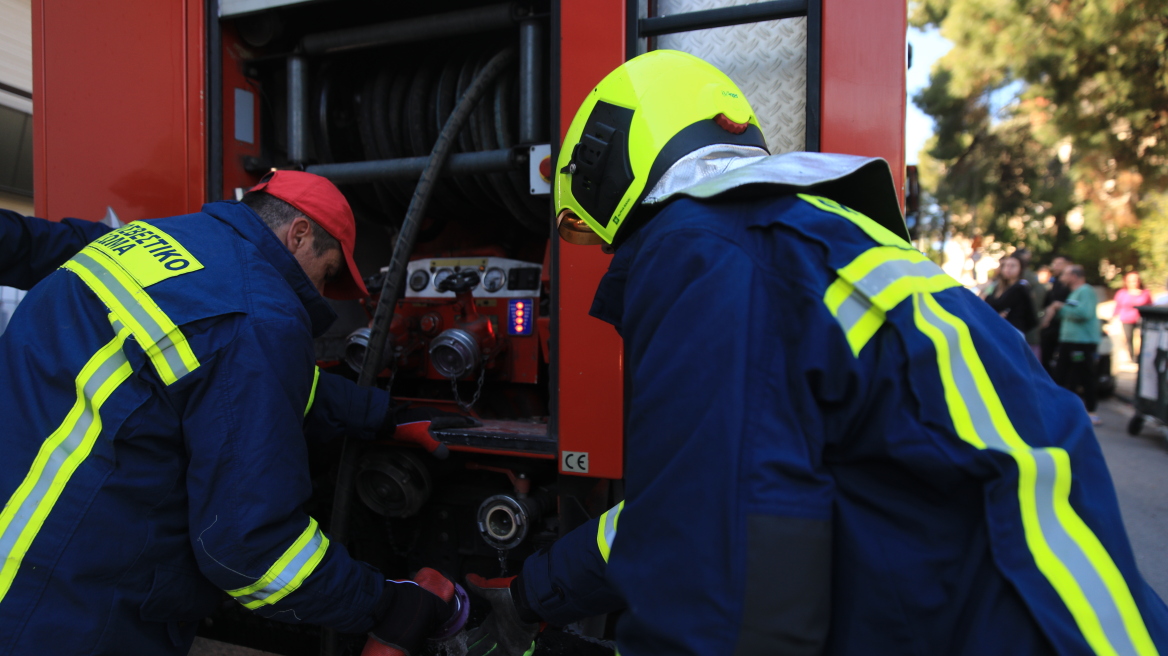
point(286, 576)
point(57, 458)
point(610, 519)
point(854, 307)
point(154, 332)
point(880, 278)
point(1064, 547)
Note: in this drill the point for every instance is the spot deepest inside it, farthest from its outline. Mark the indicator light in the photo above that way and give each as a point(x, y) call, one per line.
point(518, 321)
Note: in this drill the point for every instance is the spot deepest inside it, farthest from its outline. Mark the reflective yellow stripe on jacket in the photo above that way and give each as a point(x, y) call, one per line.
point(163, 342)
point(60, 455)
point(288, 572)
point(312, 393)
point(606, 530)
point(1065, 550)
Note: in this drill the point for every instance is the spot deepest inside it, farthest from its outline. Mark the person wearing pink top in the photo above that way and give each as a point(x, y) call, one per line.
point(1127, 300)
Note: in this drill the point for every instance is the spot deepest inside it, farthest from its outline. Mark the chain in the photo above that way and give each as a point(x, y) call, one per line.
point(478, 390)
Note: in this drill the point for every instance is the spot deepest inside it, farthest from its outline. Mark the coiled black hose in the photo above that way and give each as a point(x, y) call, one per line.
point(392, 285)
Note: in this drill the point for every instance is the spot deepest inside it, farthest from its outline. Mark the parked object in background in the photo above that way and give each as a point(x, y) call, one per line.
point(1151, 400)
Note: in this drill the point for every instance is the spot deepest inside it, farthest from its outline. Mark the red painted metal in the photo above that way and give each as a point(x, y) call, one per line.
point(119, 120)
point(591, 383)
point(863, 66)
point(499, 452)
point(512, 358)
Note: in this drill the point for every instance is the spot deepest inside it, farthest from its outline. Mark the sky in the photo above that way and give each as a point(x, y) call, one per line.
point(928, 46)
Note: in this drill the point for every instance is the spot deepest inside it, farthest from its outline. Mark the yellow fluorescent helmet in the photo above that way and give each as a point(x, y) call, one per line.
point(644, 116)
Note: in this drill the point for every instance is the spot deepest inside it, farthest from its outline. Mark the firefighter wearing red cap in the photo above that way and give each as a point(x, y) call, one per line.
point(154, 391)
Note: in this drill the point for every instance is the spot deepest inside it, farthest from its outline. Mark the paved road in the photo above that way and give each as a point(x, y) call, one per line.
point(1139, 467)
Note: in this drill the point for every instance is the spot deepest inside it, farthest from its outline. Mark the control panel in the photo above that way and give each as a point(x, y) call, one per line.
point(498, 277)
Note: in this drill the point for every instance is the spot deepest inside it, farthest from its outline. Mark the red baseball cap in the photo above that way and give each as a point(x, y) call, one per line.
point(322, 202)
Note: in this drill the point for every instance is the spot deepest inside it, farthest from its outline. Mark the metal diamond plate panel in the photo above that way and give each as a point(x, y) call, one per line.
point(767, 60)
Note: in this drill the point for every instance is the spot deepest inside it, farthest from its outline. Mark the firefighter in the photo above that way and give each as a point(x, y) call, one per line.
point(832, 447)
point(153, 392)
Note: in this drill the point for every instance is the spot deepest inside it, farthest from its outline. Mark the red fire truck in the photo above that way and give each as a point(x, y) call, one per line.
point(153, 108)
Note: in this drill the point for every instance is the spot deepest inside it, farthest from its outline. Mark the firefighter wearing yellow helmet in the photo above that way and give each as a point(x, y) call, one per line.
point(832, 448)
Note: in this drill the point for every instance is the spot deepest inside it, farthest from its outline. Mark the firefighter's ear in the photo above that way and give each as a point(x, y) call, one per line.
point(298, 234)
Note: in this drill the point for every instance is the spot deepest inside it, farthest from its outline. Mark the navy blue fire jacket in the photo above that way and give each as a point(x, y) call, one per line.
point(833, 448)
point(153, 394)
point(32, 248)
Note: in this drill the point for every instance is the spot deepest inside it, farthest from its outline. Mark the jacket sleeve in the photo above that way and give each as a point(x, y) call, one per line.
point(340, 407)
point(32, 248)
point(248, 484)
point(567, 582)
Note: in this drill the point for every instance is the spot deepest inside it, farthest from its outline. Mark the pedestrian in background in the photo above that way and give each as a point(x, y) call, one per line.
point(1078, 338)
point(1049, 328)
point(1037, 296)
point(1127, 300)
point(1010, 296)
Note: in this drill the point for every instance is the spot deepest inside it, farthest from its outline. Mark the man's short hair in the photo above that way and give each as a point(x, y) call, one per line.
point(1077, 270)
point(277, 214)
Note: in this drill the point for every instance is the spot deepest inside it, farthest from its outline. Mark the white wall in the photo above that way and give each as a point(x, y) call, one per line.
point(16, 52)
point(15, 71)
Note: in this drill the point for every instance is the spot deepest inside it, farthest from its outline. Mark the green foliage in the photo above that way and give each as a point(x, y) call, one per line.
point(1085, 125)
point(1098, 68)
point(1105, 260)
point(1151, 239)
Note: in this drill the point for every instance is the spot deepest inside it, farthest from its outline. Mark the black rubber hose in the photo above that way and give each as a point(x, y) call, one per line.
point(392, 285)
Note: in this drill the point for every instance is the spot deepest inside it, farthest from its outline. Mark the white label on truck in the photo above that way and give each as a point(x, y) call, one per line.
point(574, 462)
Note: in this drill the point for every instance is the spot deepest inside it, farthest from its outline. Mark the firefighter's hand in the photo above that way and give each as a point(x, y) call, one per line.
point(430, 606)
point(511, 627)
point(414, 425)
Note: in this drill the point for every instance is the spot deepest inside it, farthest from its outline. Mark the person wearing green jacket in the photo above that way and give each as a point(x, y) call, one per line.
point(1078, 338)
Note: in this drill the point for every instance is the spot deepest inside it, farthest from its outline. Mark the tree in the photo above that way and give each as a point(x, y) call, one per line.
point(1097, 68)
point(1049, 104)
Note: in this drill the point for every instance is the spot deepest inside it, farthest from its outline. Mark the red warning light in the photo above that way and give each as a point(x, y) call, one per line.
point(519, 305)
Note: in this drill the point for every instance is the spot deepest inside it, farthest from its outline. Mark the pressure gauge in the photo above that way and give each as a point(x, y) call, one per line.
point(419, 279)
point(442, 274)
point(494, 279)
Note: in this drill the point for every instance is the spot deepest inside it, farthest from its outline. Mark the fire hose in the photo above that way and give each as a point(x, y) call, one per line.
point(392, 286)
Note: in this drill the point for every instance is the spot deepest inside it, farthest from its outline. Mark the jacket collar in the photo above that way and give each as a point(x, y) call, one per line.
point(608, 304)
point(248, 224)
